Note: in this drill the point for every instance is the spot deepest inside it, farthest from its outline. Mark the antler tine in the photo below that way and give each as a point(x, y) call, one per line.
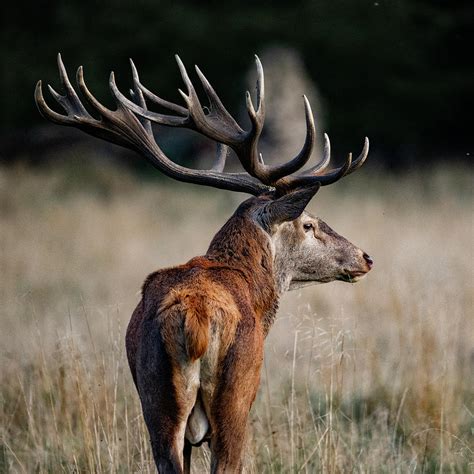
point(257, 117)
point(254, 163)
point(93, 102)
point(260, 86)
point(324, 163)
point(137, 96)
point(189, 85)
point(360, 160)
point(304, 155)
point(71, 98)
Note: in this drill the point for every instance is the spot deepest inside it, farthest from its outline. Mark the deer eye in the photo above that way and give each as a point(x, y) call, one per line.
point(308, 226)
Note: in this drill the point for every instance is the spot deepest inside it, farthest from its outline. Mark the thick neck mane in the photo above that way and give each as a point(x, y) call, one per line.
point(242, 246)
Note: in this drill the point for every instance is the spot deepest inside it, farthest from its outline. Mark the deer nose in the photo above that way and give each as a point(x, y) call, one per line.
point(369, 261)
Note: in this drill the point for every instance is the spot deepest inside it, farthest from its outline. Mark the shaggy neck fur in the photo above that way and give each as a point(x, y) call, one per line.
point(244, 246)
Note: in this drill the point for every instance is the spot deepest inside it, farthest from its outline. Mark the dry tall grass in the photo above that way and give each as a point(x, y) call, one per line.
point(372, 377)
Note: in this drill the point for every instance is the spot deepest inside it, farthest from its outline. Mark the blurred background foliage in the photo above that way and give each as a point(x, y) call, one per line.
point(395, 70)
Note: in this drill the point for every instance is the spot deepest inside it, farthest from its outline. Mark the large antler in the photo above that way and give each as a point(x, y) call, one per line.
point(129, 126)
point(123, 127)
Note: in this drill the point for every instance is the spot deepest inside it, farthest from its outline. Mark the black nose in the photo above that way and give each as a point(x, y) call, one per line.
point(369, 261)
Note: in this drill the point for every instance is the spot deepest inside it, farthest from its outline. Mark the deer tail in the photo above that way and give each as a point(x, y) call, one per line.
point(196, 326)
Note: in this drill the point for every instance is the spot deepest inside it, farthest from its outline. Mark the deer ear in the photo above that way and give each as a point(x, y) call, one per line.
point(290, 206)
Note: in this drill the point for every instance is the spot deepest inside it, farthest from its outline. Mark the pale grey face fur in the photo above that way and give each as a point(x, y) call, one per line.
point(307, 251)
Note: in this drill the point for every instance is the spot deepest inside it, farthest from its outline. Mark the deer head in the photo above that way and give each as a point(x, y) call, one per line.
point(308, 251)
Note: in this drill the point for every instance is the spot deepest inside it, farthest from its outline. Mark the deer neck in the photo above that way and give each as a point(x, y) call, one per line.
point(243, 246)
point(282, 262)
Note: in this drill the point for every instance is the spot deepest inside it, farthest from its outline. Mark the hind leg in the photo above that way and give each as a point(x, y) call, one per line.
point(233, 399)
point(167, 392)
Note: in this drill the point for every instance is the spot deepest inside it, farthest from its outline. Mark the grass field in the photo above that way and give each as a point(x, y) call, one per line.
point(373, 377)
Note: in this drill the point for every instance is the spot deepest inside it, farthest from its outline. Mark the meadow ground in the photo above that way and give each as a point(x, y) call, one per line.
point(373, 377)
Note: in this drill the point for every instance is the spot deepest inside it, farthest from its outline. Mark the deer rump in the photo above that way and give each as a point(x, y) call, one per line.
point(197, 321)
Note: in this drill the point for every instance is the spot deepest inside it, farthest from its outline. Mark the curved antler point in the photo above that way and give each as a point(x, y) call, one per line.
point(80, 74)
point(59, 61)
point(39, 92)
point(112, 79)
point(348, 162)
point(249, 103)
point(259, 65)
point(183, 95)
point(327, 142)
point(365, 148)
point(136, 79)
point(307, 108)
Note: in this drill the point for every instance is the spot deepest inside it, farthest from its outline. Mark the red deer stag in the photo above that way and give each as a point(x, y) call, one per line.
point(195, 341)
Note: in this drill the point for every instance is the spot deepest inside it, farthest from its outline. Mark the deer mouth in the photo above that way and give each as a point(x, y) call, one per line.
point(352, 276)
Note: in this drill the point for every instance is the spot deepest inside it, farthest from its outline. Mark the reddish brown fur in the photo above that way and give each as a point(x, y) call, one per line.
point(200, 301)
